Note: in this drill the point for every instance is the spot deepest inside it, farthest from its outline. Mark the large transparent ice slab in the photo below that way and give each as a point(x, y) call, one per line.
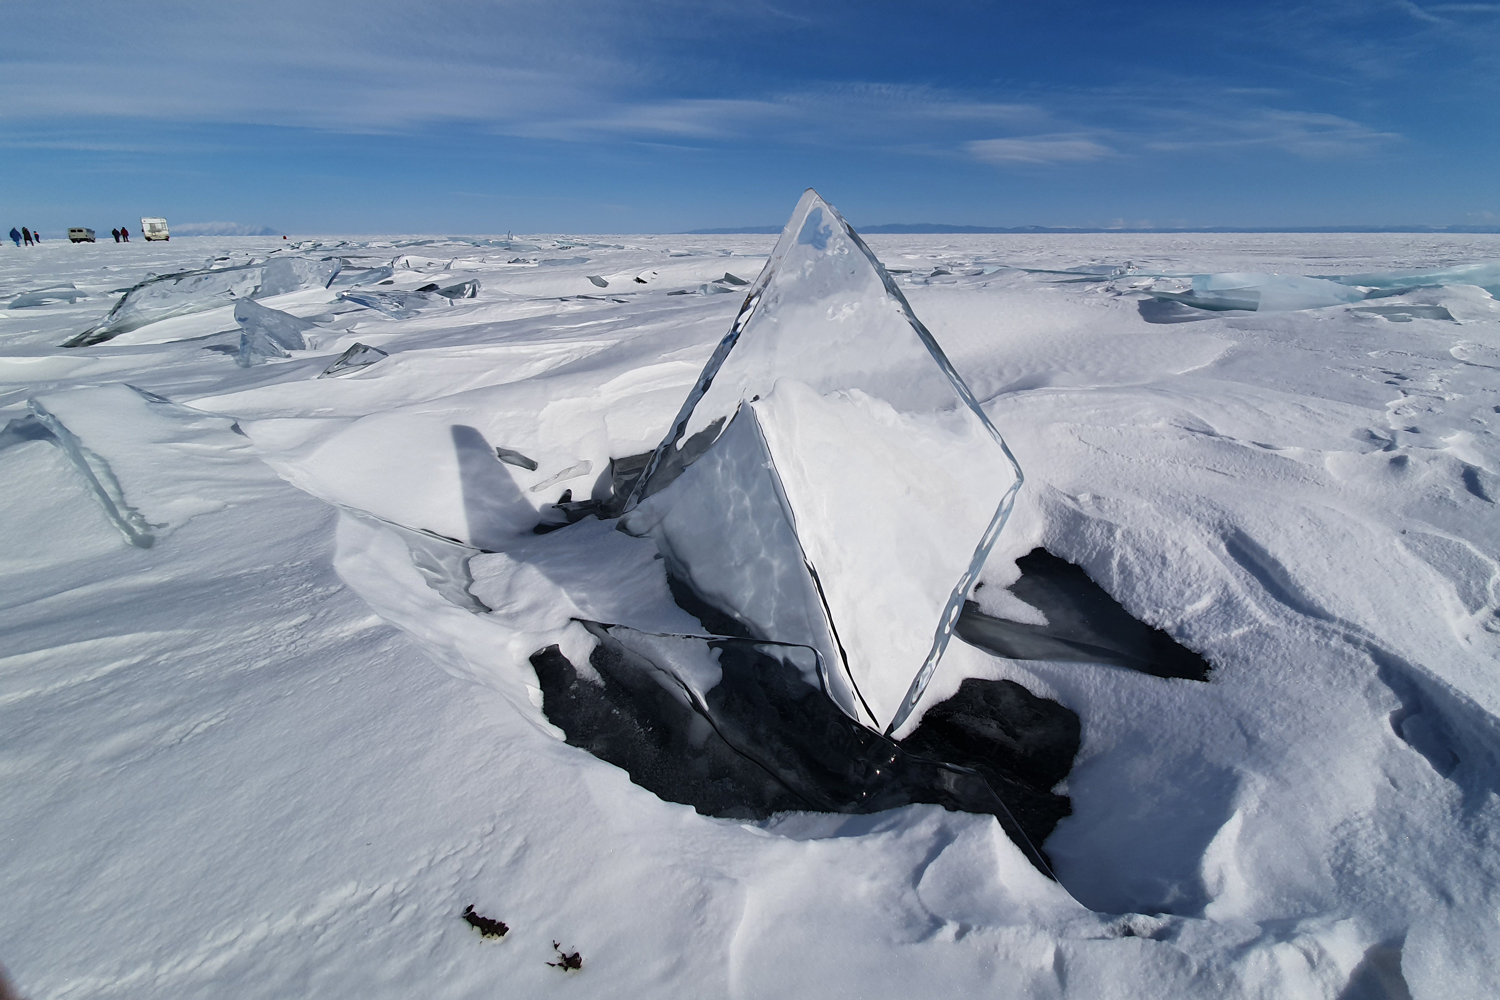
point(283, 274)
point(1262, 292)
point(830, 480)
point(267, 333)
point(397, 304)
point(1486, 276)
point(361, 276)
point(164, 296)
point(1281, 292)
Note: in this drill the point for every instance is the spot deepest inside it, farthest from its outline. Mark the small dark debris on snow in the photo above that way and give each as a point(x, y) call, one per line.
point(484, 925)
point(566, 962)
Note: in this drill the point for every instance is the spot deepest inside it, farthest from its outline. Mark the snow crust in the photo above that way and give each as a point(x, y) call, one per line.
point(231, 769)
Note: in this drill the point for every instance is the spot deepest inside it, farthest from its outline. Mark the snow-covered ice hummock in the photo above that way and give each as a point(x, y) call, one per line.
point(830, 480)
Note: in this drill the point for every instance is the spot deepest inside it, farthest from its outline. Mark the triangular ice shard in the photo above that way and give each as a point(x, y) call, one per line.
point(357, 358)
point(830, 480)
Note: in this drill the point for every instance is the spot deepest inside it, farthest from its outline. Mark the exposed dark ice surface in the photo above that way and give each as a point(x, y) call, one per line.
point(763, 740)
point(1084, 624)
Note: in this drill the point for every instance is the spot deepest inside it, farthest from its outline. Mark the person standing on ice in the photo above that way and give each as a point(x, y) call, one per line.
point(116, 234)
point(36, 236)
point(26, 233)
point(15, 234)
point(124, 234)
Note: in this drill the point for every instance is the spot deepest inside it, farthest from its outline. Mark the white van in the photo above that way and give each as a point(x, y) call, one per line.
point(78, 234)
point(154, 229)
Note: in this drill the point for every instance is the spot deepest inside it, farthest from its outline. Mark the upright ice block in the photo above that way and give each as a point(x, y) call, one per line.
point(830, 480)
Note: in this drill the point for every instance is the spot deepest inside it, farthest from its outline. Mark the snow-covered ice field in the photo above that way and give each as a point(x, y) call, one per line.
point(255, 743)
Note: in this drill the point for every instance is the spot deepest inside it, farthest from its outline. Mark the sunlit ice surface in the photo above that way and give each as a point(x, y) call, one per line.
point(232, 747)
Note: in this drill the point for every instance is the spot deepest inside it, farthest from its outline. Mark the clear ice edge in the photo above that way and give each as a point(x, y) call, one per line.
point(815, 225)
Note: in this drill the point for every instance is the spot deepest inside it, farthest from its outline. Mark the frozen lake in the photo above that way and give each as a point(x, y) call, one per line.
point(260, 736)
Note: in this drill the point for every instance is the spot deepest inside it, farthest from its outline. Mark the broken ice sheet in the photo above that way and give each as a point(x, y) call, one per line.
point(361, 276)
point(396, 304)
point(573, 471)
point(292, 274)
point(1262, 292)
point(163, 296)
point(852, 486)
point(462, 290)
point(1486, 276)
point(357, 358)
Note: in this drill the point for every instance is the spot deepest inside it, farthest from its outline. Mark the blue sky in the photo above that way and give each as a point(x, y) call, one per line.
point(656, 115)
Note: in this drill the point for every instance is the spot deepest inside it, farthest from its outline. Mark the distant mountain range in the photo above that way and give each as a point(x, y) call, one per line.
point(938, 228)
point(221, 229)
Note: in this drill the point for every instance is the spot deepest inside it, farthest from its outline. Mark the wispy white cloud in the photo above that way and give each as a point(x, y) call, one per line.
point(1038, 149)
point(575, 73)
point(1309, 134)
point(1353, 42)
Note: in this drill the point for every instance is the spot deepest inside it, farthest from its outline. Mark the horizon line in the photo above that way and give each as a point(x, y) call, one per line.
point(935, 228)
